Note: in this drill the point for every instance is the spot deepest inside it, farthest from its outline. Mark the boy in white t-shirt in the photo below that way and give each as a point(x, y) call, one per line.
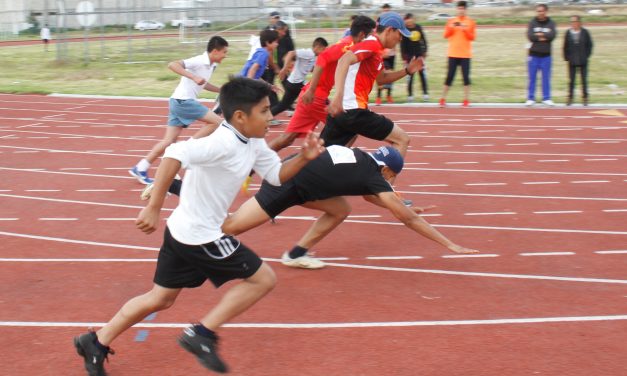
point(184, 107)
point(300, 62)
point(194, 248)
point(45, 36)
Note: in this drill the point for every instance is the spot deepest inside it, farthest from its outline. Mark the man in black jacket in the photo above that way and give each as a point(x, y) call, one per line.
point(577, 50)
point(415, 46)
point(540, 32)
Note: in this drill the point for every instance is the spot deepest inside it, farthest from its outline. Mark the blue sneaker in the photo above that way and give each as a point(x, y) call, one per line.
point(141, 176)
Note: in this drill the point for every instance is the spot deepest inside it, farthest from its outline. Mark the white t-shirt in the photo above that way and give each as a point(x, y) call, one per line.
point(200, 66)
point(305, 60)
point(45, 33)
point(217, 165)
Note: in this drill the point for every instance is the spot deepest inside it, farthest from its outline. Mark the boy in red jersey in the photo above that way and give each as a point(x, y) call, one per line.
point(355, 75)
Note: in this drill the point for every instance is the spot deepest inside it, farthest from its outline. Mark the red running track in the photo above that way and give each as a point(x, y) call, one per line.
point(541, 192)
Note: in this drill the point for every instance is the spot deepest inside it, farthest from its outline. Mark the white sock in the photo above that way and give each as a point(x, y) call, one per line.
point(143, 165)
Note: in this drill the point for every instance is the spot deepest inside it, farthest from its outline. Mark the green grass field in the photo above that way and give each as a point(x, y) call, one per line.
point(498, 68)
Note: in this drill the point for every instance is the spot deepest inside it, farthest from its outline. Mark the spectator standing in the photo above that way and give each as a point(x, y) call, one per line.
point(389, 57)
point(415, 46)
point(45, 36)
point(540, 32)
point(577, 51)
point(460, 32)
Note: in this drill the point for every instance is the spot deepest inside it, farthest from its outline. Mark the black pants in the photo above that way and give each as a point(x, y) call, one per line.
point(268, 76)
point(572, 72)
point(453, 62)
point(290, 95)
point(423, 82)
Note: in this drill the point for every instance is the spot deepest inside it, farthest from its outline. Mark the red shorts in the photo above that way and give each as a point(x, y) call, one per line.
point(307, 116)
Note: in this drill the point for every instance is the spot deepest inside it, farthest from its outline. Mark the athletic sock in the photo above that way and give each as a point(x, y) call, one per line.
point(297, 252)
point(204, 331)
point(143, 165)
point(101, 347)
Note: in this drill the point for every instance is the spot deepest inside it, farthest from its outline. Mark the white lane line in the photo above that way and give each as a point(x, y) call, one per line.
point(68, 126)
point(74, 168)
point(42, 190)
point(494, 213)
point(614, 210)
point(25, 151)
point(74, 108)
point(429, 185)
point(610, 128)
point(558, 212)
point(95, 190)
point(469, 162)
point(58, 219)
point(540, 182)
point(76, 260)
point(38, 137)
point(547, 253)
point(567, 143)
point(67, 151)
point(84, 242)
point(530, 130)
point(79, 202)
point(507, 161)
point(589, 181)
point(481, 255)
point(416, 163)
point(333, 258)
point(479, 145)
point(51, 116)
point(491, 131)
point(116, 219)
point(6, 190)
point(338, 325)
point(600, 159)
point(98, 151)
point(523, 144)
point(452, 131)
point(486, 184)
point(436, 146)
point(605, 142)
point(364, 216)
point(65, 173)
point(9, 219)
point(71, 137)
point(567, 129)
point(612, 252)
point(87, 119)
point(430, 215)
point(394, 257)
point(513, 196)
point(553, 160)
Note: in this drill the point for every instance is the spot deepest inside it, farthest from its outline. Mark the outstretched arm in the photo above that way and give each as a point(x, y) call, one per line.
point(412, 220)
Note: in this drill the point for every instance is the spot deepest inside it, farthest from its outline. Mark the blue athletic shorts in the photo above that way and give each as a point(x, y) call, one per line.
point(183, 112)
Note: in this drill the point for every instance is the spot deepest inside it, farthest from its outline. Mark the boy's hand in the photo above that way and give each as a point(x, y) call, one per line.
point(199, 80)
point(415, 64)
point(307, 96)
point(148, 220)
point(335, 107)
point(312, 146)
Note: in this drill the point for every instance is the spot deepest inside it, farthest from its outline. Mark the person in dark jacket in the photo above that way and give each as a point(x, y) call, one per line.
point(540, 32)
point(577, 50)
point(415, 46)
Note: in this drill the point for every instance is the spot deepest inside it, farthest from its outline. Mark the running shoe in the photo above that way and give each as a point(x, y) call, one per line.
point(530, 102)
point(410, 99)
point(204, 348)
point(93, 355)
point(442, 102)
point(303, 262)
point(390, 99)
point(425, 97)
point(465, 103)
point(141, 176)
point(548, 102)
point(377, 102)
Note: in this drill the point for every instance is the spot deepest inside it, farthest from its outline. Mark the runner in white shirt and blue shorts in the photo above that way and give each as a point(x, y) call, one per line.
point(184, 107)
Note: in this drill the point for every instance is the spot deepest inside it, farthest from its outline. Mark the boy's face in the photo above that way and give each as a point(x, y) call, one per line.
point(391, 37)
point(318, 49)
point(255, 124)
point(410, 22)
point(461, 11)
point(272, 46)
point(217, 55)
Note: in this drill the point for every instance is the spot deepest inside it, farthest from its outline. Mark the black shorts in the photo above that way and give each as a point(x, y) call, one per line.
point(341, 129)
point(181, 265)
point(275, 200)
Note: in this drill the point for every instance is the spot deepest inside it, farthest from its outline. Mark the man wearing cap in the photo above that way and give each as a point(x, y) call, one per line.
point(320, 185)
point(355, 75)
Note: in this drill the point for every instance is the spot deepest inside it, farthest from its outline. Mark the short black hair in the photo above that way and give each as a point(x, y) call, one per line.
point(386, 6)
point(320, 42)
point(362, 23)
point(546, 7)
point(268, 36)
point(242, 94)
point(216, 43)
point(462, 4)
point(408, 16)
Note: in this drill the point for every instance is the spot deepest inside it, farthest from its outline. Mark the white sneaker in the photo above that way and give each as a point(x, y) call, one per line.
point(530, 103)
point(425, 98)
point(303, 262)
point(410, 98)
point(146, 192)
point(548, 102)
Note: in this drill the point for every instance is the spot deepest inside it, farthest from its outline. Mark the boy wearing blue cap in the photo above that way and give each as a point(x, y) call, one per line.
point(355, 75)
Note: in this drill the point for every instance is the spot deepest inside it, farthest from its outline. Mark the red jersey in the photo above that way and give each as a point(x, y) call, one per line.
point(328, 62)
point(361, 75)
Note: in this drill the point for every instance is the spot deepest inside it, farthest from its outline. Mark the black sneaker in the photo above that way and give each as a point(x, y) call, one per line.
point(205, 349)
point(94, 357)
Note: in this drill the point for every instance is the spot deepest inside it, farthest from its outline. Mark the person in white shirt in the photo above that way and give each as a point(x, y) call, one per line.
point(45, 36)
point(184, 107)
point(300, 62)
point(194, 248)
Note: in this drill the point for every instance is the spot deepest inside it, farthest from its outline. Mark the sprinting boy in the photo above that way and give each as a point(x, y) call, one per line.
point(194, 247)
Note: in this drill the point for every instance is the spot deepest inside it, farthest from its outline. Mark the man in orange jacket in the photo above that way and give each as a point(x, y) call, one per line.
point(460, 32)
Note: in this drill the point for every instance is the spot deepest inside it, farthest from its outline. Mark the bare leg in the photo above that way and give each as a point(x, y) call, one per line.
point(171, 135)
point(399, 140)
point(248, 216)
point(135, 310)
point(284, 140)
point(466, 92)
point(241, 297)
point(335, 210)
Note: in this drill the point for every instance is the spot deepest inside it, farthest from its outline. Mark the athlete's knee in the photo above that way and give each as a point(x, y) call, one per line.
point(264, 279)
point(160, 301)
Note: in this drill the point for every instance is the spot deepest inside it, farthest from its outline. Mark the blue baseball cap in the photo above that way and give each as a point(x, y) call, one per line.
point(393, 19)
point(390, 157)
